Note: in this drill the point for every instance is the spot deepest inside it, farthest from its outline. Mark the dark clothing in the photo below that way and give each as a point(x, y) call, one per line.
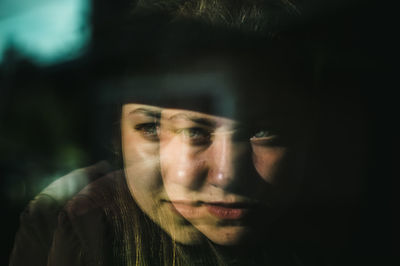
point(40, 219)
point(84, 234)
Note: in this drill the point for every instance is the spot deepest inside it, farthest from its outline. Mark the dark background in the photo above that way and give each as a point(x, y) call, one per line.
point(49, 125)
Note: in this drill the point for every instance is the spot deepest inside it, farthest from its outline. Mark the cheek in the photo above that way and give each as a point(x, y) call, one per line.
point(267, 161)
point(136, 149)
point(141, 161)
point(140, 155)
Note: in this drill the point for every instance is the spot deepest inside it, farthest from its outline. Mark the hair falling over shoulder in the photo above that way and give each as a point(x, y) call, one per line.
point(137, 240)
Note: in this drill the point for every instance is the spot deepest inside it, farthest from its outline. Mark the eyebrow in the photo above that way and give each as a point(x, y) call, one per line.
point(146, 112)
point(198, 120)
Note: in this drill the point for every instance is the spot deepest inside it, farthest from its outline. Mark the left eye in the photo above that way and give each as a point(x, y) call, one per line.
point(148, 130)
point(196, 135)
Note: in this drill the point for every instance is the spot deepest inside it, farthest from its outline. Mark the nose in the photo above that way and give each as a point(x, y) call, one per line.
point(224, 159)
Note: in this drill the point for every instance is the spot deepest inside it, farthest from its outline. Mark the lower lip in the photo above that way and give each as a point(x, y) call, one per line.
point(186, 210)
point(226, 213)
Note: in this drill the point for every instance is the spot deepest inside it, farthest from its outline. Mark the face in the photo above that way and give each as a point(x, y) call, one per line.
point(140, 126)
point(199, 175)
point(220, 175)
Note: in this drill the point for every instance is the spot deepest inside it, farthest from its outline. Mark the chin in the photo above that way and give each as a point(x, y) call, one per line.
point(184, 234)
point(227, 235)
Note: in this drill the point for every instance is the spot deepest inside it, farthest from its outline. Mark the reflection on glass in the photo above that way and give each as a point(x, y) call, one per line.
point(140, 125)
point(189, 173)
point(220, 185)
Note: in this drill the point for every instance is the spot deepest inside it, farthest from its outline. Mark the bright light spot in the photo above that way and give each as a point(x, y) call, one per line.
point(181, 173)
point(48, 32)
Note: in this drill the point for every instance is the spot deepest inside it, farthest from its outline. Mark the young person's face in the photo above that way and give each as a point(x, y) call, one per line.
point(220, 175)
point(199, 175)
point(140, 146)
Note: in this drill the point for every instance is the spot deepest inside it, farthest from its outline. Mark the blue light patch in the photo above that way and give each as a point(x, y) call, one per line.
point(48, 32)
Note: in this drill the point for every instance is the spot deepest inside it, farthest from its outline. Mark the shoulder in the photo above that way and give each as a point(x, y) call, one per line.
point(101, 194)
point(44, 208)
point(54, 197)
point(91, 213)
point(84, 234)
point(40, 218)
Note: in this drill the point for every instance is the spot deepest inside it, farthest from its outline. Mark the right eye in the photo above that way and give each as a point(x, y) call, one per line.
point(262, 134)
point(149, 130)
point(266, 138)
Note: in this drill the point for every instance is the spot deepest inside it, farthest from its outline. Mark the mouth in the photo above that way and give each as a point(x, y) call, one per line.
point(220, 210)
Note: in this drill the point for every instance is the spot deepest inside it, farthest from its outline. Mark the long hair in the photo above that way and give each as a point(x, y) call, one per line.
point(135, 238)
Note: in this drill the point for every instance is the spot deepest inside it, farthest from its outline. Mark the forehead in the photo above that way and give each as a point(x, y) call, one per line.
point(181, 115)
point(176, 115)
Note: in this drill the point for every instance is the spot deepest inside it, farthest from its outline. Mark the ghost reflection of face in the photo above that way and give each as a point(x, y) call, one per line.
point(140, 146)
point(221, 183)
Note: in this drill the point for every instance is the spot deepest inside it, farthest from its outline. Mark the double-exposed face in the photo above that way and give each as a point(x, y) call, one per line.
point(223, 177)
point(198, 175)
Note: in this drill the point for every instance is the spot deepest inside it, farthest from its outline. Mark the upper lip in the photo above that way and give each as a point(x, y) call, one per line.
point(232, 204)
point(238, 204)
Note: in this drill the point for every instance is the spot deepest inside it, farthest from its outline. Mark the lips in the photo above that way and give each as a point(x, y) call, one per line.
point(220, 210)
point(231, 211)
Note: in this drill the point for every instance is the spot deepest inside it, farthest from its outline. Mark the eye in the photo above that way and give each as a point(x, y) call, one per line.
point(196, 135)
point(263, 134)
point(148, 130)
point(265, 137)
